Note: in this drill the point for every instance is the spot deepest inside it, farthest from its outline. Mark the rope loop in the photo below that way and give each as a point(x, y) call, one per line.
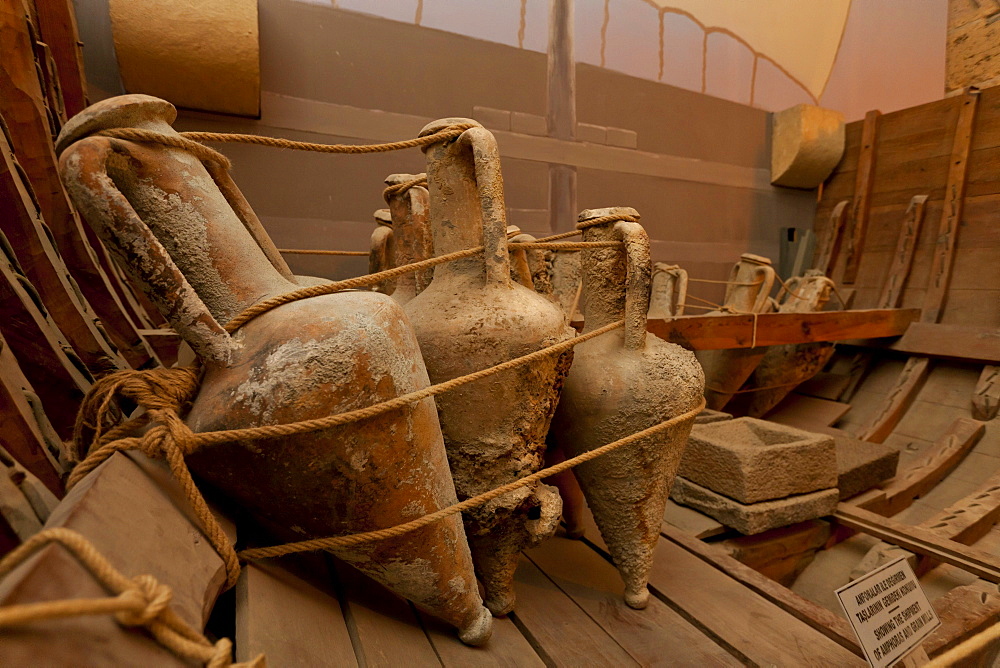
point(604, 220)
point(400, 188)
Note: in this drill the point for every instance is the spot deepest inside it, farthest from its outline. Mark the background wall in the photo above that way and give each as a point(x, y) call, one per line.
point(680, 142)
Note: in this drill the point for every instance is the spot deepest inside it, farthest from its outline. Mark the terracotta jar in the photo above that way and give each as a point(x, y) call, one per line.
point(668, 292)
point(750, 283)
point(783, 367)
point(168, 222)
point(381, 251)
point(620, 383)
point(472, 316)
point(411, 236)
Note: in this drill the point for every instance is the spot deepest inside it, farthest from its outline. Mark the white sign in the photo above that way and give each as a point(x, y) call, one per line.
point(889, 612)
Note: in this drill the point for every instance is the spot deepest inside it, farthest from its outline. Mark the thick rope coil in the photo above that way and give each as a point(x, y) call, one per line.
point(139, 601)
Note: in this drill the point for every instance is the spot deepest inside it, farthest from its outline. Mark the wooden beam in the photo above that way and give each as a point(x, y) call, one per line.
point(21, 105)
point(921, 476)
point(719, 332)
point(902, 259)
point(864, 181)
point(892, 409)
point(829, 246)
point(57, 23)
point(31, 242)
point(133, 512)
point(920, 540)
point(951, 215)
point(961, 342)
point(829, 624)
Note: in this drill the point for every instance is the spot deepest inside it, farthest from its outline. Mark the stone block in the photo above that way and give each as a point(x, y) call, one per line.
point(595, 134)
point(862, 465)
point(623, 138)
point(752, 518)
point(752, 460)
point(708, 416)
point(528, 124)
point(492, 119)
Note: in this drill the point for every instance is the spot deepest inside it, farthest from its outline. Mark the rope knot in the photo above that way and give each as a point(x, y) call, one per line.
point(149, 598)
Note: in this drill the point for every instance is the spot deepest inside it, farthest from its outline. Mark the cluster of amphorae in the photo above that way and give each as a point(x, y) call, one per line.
point(187, 237)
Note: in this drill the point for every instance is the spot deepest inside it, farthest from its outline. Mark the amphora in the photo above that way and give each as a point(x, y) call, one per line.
point(750, 283)
point(185, 236)
point(668, 291)
point(784, 367)
point(620, 383)
point(411, 235)
point(473, 316)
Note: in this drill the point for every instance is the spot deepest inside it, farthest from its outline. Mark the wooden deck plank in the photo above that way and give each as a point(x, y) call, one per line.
point(558, 628)
point(742, 619)
point(961, 342)
point(290, 621)
point(736, 331)
point(654, 636)
point(507, 648)
point(692, 522)
point(385, 630)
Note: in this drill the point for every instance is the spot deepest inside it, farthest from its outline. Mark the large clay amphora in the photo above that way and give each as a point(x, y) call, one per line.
point(750, 283)
point(472, 316)
point(411, 235)
point(668, 292)
point(620, 383)
point(168, 223)
point(784, 367)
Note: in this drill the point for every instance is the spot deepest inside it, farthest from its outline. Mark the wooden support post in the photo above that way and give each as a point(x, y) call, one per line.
point(862, 196)
point(829, 247)
point(902, 259)
point(57, 24)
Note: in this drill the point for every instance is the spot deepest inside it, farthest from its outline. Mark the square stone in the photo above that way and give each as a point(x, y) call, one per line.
point(753, 460)
point(707, 416)
point(752, 518)
point(862, 465)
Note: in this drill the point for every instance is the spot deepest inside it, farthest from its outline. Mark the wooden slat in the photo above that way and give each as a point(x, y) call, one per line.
point(52, 367)
point(944, 255)
point(902, 259)
point(829, 624)
point(809, 413)
point(30, 239)
point(921, 476)
point(827, 249)
point(961, 342)
point(920, 540)
point(560, 631)
point(289, 620)
point(384, 628)
point(57, 23)
point(690, 521)
point(22, 109)
point(20, 431)
point(648, 635)
point(864, 180)
point(743, 620)
point(892, 409)
point(964, 612)
point(736, 331)
point(130, 514)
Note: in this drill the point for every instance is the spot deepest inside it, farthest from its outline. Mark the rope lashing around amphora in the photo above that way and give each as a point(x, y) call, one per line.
point(139, 601)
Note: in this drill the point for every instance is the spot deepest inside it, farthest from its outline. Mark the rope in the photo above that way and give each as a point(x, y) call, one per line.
point(403, 187)
point(956, 655)
point(580, 245)
point(139, 601)
point(708, 280)
point(473, 502)
point(203, 152)
point(604, 220)
point(301, 251)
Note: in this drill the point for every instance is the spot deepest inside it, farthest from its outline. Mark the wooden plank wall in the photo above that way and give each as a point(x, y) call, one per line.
point(912, 157)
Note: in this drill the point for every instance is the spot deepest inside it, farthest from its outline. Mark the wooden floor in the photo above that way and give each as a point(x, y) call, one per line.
point(569, 613)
